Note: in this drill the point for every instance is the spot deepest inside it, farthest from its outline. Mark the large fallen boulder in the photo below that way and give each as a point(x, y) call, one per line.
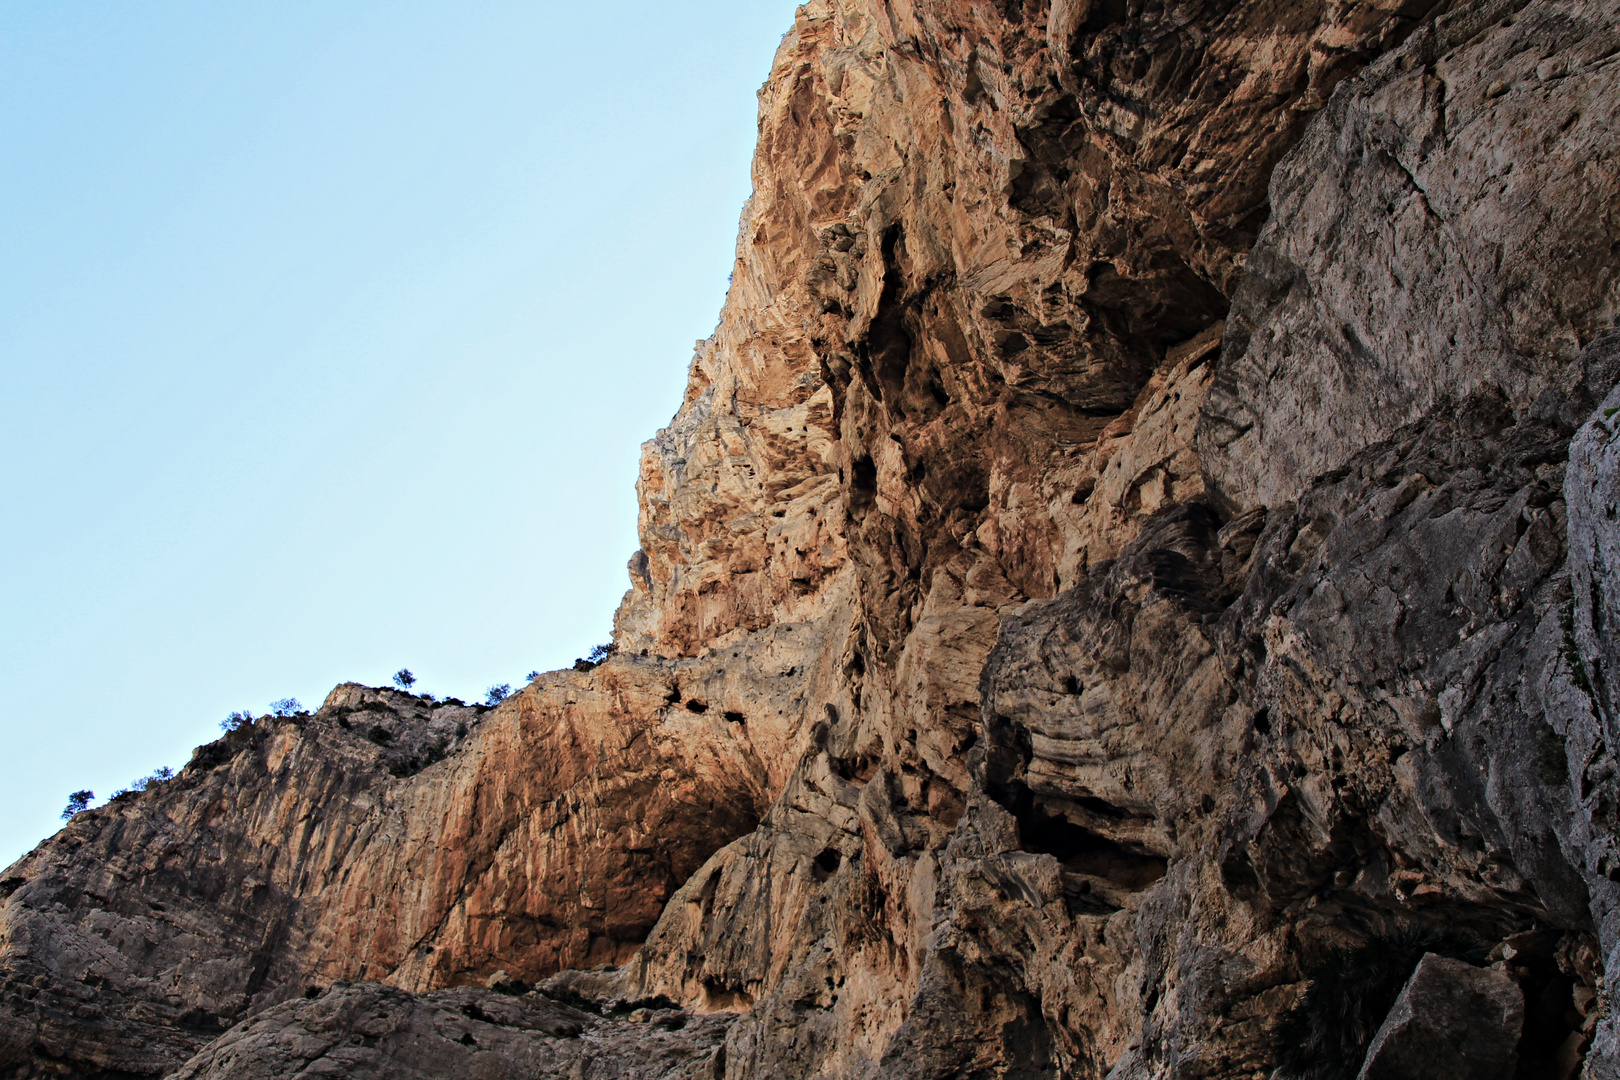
point(1453, 1021)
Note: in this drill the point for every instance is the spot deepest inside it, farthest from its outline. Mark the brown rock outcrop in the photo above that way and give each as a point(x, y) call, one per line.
point(1074, 608)
point(386, 837)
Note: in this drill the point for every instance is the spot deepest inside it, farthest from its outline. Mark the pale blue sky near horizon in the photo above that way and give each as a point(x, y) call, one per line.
point(329, 334)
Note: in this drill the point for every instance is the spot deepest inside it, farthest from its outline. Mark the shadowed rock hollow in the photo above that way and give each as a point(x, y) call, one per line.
point(1140, 541)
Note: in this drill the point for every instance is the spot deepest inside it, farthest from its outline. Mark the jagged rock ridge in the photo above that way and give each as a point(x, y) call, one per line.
point(1142, 528)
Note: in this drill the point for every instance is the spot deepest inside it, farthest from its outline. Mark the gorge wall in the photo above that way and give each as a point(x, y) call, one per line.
point(1143, 528)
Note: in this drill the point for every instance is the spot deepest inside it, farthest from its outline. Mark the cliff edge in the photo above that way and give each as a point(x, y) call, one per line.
point(1128, 593)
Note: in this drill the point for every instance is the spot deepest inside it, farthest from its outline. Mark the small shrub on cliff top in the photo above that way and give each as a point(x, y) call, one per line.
point(77, 802)
point(404, 679)
point(497, 694)
point(236, 721)
point(286, 706)
point(157, 776)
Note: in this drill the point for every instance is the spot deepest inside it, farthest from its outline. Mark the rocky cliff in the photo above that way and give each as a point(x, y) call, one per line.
point(1131, 577)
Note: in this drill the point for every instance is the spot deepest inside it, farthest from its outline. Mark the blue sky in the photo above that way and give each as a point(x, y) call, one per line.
point(329, 333)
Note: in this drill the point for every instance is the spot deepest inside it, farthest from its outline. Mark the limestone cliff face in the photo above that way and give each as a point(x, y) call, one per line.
point(1143, 525)
point(386, 837)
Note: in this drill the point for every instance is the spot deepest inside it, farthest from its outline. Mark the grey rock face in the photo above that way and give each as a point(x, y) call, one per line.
point(1445, 224)
point(1594, 550)
point(1453, 1021)
point(1584, 714)
point(1355, 743)
point(374, 1032)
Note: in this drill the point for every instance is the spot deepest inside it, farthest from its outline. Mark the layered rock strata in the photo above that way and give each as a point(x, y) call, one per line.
point(388, 837)
point(372, 1032)
point(1143, 527)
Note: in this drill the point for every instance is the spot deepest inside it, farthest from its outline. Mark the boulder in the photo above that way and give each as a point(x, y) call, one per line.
point(1453, 1021)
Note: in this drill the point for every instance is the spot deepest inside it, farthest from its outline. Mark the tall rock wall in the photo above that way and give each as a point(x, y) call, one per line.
point(1141, 531)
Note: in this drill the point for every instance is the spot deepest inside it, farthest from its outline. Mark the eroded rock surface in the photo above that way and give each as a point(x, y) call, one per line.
point(373, 1032)
point(1080, 596)
point(388, 838)
point(1446, 225)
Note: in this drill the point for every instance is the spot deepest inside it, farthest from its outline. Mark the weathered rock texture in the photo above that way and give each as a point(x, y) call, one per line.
point(1083, 591)
point(371, 1032)
point(1464, 174)
point(386, 837)
point(1452, 1021)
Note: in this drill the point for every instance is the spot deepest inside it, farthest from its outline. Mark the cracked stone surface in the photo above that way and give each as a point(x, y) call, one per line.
point(1143, 526)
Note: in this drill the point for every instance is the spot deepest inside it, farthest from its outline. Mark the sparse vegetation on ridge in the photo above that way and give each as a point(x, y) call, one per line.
point(157, 776)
